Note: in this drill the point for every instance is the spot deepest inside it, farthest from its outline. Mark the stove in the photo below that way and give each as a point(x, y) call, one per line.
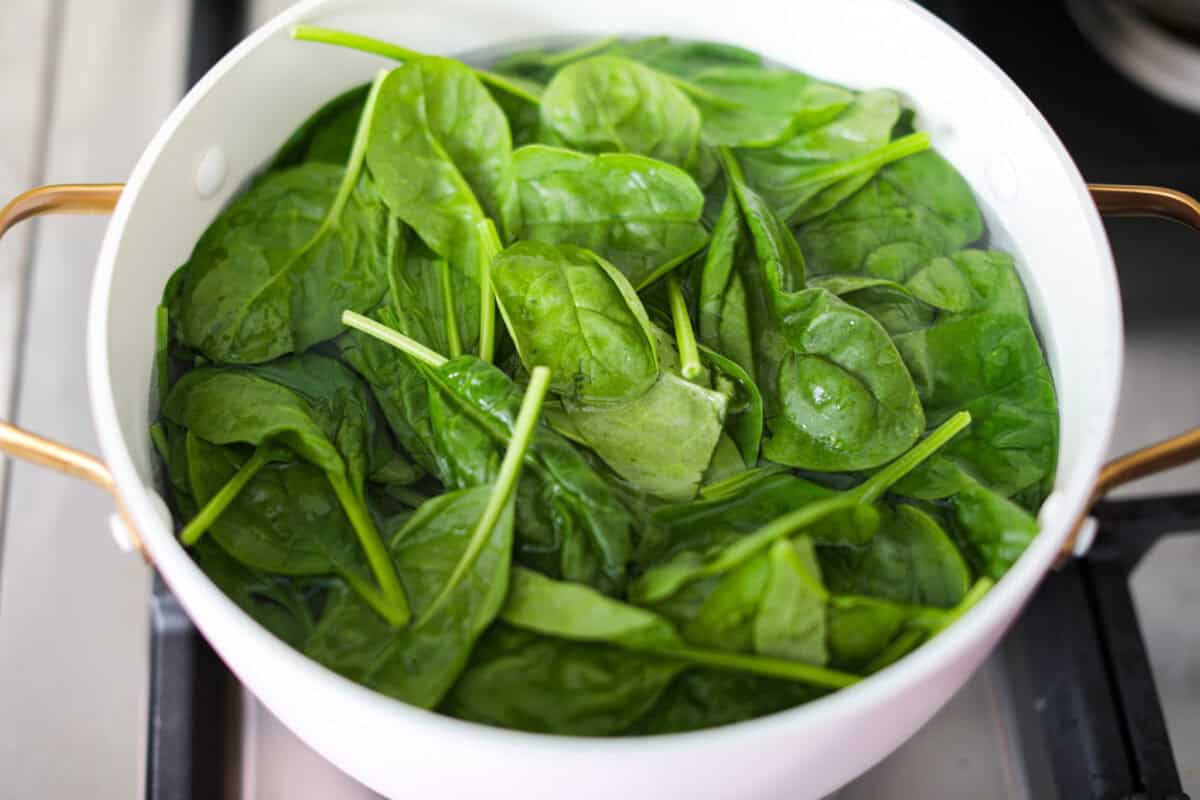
point(1095, 692)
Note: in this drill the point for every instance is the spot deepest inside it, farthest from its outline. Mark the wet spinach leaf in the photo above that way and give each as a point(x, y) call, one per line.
point(640, 214)
point(327, 135)
point(991, 365)
point(522, 680)
point(570, 310)
point(912, 211)
point(608, 104)
point(308, 407)
point(910, 559)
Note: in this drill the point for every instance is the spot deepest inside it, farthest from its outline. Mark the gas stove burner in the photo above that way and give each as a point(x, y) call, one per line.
point(1146, 43)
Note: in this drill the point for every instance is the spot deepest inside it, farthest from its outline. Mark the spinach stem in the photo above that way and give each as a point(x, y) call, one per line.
point(896, 649)
point(159, 438)
point(733, 170)
point(375, 599)
point(873, 488)
point(162, 361)
point(670, 577)
point(973, 596)
point(453, 340)
point(685, 336)
point(396, 339)
point(489, 248)
point(358, 152)
point(191, 533)
point(367, 44)
point(564, 57)
point(879, 157)
point(762, 665)
point(410, 497)
point(502, 489)
point(372, 544)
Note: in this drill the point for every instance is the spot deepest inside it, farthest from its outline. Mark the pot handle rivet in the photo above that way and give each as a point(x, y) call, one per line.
point(120, 533)
point(210, 172)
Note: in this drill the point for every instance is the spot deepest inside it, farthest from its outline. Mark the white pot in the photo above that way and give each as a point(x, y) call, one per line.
point(1035, 203)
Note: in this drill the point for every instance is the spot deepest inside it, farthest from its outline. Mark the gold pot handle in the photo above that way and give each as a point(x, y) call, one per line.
point(1114, 200)
point(97, 198)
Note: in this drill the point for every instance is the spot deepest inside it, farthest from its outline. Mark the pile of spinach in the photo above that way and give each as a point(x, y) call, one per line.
point(761, 416)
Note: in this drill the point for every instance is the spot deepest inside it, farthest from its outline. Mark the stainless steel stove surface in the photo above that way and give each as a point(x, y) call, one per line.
point(1066, 707)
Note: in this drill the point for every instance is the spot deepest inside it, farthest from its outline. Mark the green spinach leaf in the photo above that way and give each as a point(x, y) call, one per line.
point(309, 405)
point(327, 136)
point(641, 215)
point(910, 560)
point(518, 679)
point(991, 365)
point(570, 310)
point(608, 104)
point(685, 566)
point(570, 611)
point(812, 172)
point(913, 210)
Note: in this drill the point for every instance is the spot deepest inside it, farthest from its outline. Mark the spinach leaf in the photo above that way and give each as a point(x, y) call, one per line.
point(440, 150)
point(755, 107)
point(726, 461)
point(838, 394)
point(572, 311)
point(641, 215)
point(680, 58)
point(737, 507)
point(991, 365)
point(866, 634)
point(453, 557)
point(744, 411)
point(971, 281)
point(846, 400)
point(397, 385)
point(661, 441)
point(286, 519)
point(570, 611)
point(724, 311)
point(518, 679)
point(791, 616)
point(273, 273)
point(992, 530)
point(913, 210)
point(281, 605)
point(327, 135)
point(707, 698)
point(686, 59)
point(570, 521)
point(773, 604)
point(309, 405)
point(713, 558)
point(418, 664)
point(893, 306)
point(909, 560)
point(812, 172)
point(607, 104)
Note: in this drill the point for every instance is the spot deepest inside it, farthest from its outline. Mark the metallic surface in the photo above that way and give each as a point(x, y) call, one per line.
point(1113, 200)
point(99, 198)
